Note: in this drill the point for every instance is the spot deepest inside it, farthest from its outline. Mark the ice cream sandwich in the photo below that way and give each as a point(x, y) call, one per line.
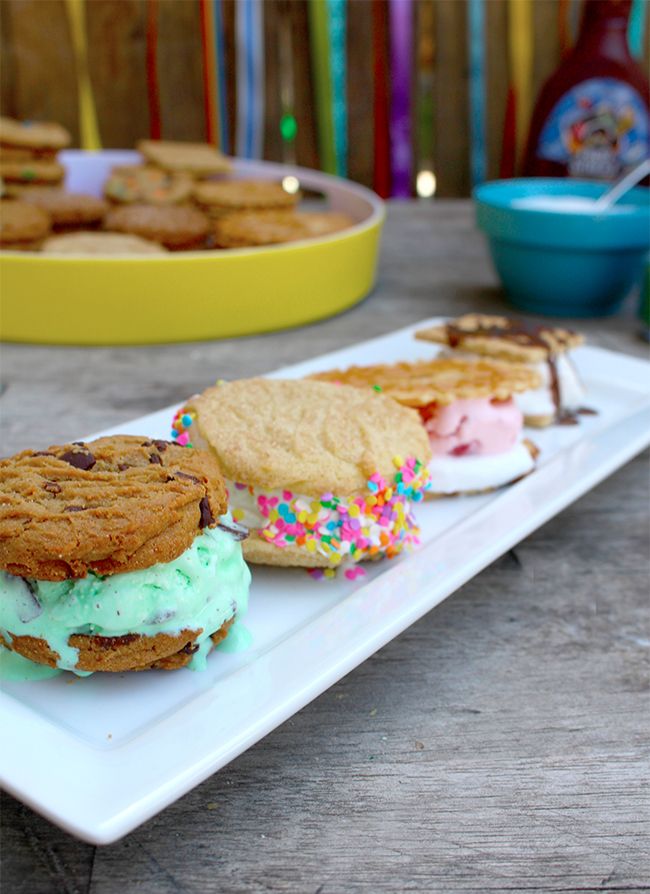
point(467, 409)
point(117, 555)
point(546, 349)
point(321, 475)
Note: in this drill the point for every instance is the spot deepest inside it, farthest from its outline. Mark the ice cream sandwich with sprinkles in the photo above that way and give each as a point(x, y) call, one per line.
point(321, 475)
point(467, 409)
point(559, 397)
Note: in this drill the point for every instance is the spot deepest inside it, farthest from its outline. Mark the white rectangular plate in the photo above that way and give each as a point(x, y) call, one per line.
point(101, 755)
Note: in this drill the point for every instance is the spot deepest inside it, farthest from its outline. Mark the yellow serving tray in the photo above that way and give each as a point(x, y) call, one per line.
point(187, 296)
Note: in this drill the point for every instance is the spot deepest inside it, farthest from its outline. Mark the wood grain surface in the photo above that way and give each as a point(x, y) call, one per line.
point(499, 744)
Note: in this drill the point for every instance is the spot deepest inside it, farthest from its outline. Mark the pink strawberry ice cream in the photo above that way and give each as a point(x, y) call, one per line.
point(477, 427)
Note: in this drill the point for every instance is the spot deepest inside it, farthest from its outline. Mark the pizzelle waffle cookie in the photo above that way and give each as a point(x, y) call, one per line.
point(467, 409)
point(116, 555)
point(440, 381)
point(321, 475)
point(544, 348)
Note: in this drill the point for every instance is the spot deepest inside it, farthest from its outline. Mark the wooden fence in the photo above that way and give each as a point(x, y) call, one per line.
point(39, 80)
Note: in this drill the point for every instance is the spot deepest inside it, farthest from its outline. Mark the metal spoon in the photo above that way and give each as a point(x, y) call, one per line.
point(626, 182)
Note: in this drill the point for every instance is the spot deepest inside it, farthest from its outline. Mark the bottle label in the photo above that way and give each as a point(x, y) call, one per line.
point(597, 129)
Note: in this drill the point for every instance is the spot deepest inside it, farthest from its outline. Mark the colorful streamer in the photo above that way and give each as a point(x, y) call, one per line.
point(88, 127)
point(153, 86)
point(401, 54)
point(636, 27)
point(381, 141)
point(320, 53)
point(249, 29)
point(476, 54)
point(209, 54)
point(222, 94)
point(520, 55)
point(337, 27)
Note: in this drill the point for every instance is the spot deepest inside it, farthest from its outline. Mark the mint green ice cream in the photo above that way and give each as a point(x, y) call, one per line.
point(204, 587)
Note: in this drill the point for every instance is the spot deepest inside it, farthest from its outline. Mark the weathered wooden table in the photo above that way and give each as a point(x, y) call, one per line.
point(499, 744)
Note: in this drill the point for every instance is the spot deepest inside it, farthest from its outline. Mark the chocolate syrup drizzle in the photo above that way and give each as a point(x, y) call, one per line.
point(524, 333)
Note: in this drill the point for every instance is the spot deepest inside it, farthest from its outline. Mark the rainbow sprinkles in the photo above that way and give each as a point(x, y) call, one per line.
point(374, 524)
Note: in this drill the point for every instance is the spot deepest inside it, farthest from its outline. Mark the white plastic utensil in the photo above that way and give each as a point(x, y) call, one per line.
point(622, 186)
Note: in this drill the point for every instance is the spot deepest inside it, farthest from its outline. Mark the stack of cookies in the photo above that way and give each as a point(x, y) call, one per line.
point(28, 153)
point(179, 199)
point(34, 203)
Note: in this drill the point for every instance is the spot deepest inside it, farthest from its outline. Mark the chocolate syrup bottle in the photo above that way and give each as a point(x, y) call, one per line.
point(592, 117)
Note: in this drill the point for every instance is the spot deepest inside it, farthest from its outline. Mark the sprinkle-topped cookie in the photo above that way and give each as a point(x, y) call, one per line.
point(314, 470)
point(130, 184)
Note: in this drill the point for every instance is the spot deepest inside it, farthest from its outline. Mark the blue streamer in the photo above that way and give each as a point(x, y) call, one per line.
point(337, 21)
point(250, 78)
point(476, 53)
point(222, 83)
point(636, 27)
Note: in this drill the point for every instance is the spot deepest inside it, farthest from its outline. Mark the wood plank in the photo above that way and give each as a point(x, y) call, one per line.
point(117, 63)
point(306, 142)
point(359, 92)
point(43, 57)
point(180, 71)
point(8, 67)
point(274, 11)
point(546, 56)
point(451, 108)
point(497, 76)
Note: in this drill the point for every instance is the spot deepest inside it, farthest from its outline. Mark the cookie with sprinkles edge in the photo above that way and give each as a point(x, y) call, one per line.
point(332, 445)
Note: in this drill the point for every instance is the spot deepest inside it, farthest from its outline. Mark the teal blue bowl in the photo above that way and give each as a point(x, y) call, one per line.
point(571, 263)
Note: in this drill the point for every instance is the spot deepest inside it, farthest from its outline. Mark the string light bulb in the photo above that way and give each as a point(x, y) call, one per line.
point(290, 184)
point(425, 184)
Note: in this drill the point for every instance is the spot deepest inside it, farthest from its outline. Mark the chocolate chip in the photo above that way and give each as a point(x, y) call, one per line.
point(52, 487)
point(161, 445)
point(80, 460)
point(189, 477)
point(239, 532)
point(78, 443)
point(155, 459)
point(207, 518)
point(122, 467)
point(190, 648)
point(43, 453)
point(74, 508)
point(146, 444)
